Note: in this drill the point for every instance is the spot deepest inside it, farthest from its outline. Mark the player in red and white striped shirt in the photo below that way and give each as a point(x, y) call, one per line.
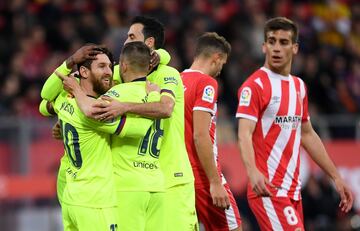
point(215, 204)
point(273, 122)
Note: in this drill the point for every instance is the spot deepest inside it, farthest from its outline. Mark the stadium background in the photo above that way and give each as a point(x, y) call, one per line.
point(36, 36)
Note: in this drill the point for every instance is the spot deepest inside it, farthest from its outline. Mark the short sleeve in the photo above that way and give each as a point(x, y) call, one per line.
point(305, 116)
point(164, 56)
point(53, 85)
point(116, 75)
point(133, 126)
point(249, 104)
point(206, 95)
point(169, 81)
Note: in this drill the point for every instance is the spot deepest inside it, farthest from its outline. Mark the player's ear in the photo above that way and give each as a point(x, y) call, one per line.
point(84, 72)
point(150, 42)
point(263, 47)
point(295, 48)
point(123, 66)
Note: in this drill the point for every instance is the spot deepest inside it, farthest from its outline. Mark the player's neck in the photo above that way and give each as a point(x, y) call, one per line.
point(201, 65)
point(133, 76)
point(88, 88)
point(285, 71)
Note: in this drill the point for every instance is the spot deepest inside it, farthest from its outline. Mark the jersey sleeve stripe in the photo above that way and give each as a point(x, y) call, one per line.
point(250, 117)
point(204, 109)
point(121, 125)
point(167, 91)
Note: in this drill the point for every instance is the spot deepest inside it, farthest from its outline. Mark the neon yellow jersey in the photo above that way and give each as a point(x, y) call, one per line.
point(173, 155)
point(136, 159)
point(89, 174)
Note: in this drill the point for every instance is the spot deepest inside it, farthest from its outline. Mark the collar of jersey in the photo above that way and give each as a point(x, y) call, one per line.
point(139, 79)
point(191, 70)
point(275, 75)
point(91, 96)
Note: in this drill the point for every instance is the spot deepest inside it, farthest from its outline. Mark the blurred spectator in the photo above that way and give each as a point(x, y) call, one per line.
point(36, 34)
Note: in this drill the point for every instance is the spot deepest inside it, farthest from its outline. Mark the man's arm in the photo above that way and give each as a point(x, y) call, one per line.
point(315, 148)
point(204, 149)
point(257, 179)
point(158, 110)
point(72, 86)
point(46, 108)
point(53, 84)
point(112, 109)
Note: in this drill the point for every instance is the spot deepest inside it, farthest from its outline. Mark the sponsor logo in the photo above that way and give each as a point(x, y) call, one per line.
point(208, 94)
point(245, 97)
point(170, 80)
point(145, 165)
point(112, 93)
point(275, 100)
point(288, 122)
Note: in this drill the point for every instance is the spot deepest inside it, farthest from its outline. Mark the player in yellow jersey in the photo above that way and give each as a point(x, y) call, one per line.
point(179, 180)
point(138, 176)
point(89, 198)
point(89, 192)
point(53, 86)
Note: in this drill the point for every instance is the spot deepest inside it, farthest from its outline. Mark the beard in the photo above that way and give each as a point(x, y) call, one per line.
point(99, 86)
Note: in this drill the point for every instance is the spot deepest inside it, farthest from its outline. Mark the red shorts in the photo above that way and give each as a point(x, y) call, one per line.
point(277, 213)
point(212, 217)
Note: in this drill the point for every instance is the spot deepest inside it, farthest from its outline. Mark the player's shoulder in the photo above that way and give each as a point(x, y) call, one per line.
point(298, 79)
point(165, 69)
point(197, 76)
point(256, 80)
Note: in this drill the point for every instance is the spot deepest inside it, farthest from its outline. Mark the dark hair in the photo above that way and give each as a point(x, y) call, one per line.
point(281, 23)
point(103, 50)
point(211, 42)
point(138, 55)
point(152, 28)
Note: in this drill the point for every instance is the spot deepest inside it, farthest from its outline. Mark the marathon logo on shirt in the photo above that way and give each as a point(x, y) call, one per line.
point(112, 93)
point(245, 97)
point(288, 122)
point(168, 80)
point(208, 94)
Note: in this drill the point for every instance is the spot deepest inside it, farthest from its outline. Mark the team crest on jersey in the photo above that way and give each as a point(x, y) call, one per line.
point(208, 94)
point(245, 97)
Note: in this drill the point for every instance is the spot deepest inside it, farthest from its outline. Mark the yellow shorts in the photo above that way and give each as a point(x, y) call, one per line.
point(140, 211)
point(180, 208)
point(78, 218)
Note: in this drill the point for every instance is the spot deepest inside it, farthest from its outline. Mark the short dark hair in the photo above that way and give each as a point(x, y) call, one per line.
point(103, 50)
point(281, 23)
point(211, 42)
point(137, 54)
point(152, 28)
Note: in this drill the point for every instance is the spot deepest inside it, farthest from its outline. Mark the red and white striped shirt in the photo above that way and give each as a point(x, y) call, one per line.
point(201, 93)
point(278, 104)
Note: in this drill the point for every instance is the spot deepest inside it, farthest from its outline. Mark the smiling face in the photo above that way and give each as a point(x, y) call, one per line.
point(279, 50)
point(101, 74)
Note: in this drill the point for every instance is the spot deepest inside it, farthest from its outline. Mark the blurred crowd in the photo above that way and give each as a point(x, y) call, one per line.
point(36, 36)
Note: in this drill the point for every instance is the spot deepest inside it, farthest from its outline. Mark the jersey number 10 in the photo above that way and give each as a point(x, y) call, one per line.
point(72, 147)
